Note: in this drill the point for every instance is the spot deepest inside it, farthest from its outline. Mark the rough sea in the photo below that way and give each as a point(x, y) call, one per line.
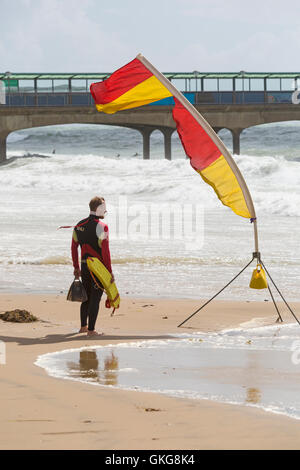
point(191, 250)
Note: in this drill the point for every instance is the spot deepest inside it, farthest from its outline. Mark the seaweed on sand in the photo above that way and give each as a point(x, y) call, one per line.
point(18, 316)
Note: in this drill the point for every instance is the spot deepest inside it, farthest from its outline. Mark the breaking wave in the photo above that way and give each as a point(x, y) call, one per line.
point(273, 181)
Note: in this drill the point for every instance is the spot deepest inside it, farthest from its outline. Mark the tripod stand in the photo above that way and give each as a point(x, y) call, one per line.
point(255, 255)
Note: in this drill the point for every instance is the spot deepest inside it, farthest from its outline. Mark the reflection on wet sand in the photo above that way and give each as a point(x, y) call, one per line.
point(111, 367)
point(253, 395)
point(88, 367)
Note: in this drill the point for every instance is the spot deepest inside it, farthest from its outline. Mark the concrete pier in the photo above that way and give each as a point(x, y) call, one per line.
point(248, 99)
point(3, 137)
point(167, 132)
point(236, 133)
point(146, 132)
point(146, 119)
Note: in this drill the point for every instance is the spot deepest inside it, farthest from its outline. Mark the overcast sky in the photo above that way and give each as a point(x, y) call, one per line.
point(175, 35)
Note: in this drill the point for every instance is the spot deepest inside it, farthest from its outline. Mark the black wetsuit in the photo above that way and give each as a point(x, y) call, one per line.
point(92, 236)
point(89, 309)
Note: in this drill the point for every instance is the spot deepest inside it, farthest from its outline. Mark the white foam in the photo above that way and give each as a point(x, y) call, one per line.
point(273, 181)
point(16, 137)
point(54, 191)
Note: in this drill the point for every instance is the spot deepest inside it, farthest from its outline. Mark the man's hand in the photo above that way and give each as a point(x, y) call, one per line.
point(77, 273)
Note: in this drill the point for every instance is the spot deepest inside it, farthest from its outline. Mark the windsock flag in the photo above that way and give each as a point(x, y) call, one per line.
point(129, 87)
point(137, 84)
point(207, 159)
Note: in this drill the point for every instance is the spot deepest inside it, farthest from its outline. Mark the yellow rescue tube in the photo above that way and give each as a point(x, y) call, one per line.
point(258, 280)
point(104, 276)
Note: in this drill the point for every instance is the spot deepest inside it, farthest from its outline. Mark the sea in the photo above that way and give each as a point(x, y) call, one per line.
point(170, 237)
point(169, 234)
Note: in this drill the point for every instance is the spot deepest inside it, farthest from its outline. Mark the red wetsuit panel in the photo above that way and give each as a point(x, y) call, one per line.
point(86, 249)
point(74, 250)
point(106, 255)
point(92, 236)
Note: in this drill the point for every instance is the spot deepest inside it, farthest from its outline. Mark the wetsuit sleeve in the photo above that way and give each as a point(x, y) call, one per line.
point(74, 250)
point(105, 251)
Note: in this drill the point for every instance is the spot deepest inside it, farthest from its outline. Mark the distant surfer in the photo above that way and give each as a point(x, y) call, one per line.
point(91, 234)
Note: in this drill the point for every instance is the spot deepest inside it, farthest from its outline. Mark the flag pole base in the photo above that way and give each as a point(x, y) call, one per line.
point(255, 255)
point(214, 296)
point(279, 292)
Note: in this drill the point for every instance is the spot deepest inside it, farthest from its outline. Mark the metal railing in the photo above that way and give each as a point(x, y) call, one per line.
point(23, 99)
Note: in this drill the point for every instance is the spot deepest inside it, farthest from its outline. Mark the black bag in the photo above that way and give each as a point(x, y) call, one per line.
point(77, 292)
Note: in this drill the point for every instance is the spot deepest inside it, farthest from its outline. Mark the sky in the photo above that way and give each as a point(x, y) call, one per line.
point(175, 35)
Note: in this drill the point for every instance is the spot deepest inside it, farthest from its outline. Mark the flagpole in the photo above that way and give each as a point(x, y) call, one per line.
point(256, 237)
point(215, 138)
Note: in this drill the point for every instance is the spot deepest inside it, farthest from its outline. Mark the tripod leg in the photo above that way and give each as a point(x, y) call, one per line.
point(223, 288)
point(279, 319)
point(280, 293)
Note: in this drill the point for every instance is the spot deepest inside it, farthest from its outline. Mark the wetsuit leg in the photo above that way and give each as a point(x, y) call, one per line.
point(86, 281)
point(95, 298)
point(89, 309)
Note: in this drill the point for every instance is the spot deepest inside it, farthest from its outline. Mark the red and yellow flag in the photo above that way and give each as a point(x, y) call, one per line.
point(207, 159)
point(129, 87)
point(135, 85)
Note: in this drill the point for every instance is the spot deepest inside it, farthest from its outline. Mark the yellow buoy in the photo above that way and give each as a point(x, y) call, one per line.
point(258, 280)
point(103, 275)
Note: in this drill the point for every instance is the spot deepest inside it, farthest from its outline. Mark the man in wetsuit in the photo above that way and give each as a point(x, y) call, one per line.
point(92, 236)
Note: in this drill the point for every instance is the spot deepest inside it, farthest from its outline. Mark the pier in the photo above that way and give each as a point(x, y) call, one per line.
point(233, 101)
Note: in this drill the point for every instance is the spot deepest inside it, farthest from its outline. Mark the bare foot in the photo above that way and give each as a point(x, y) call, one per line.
point(94, 333)
point(83, 329)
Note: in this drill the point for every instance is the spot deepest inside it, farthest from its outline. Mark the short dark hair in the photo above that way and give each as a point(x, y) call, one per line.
point(95, 202)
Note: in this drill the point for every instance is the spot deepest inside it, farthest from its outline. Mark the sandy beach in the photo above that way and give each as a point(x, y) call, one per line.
point(42, 412)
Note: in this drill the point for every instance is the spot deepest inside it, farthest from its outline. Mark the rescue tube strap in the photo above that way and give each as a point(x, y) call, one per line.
point(95, 281)
point(103, 290)
point(113, 312)
point(116, 298)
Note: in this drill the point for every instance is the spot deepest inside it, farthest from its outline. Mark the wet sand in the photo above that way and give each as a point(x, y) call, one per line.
point(41, 412)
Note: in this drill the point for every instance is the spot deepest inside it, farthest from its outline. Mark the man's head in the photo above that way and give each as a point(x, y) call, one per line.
point(97, 205)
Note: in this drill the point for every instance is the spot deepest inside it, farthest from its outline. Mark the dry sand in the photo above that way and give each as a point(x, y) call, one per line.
point(41, 412)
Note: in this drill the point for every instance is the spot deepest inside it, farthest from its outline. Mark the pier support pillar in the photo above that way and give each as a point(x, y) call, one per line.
point(236, 140)
point(146, 132)
point(167, 141)
point(3, 147)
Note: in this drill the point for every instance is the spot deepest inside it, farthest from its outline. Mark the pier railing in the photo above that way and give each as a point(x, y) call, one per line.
point(24, 99)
